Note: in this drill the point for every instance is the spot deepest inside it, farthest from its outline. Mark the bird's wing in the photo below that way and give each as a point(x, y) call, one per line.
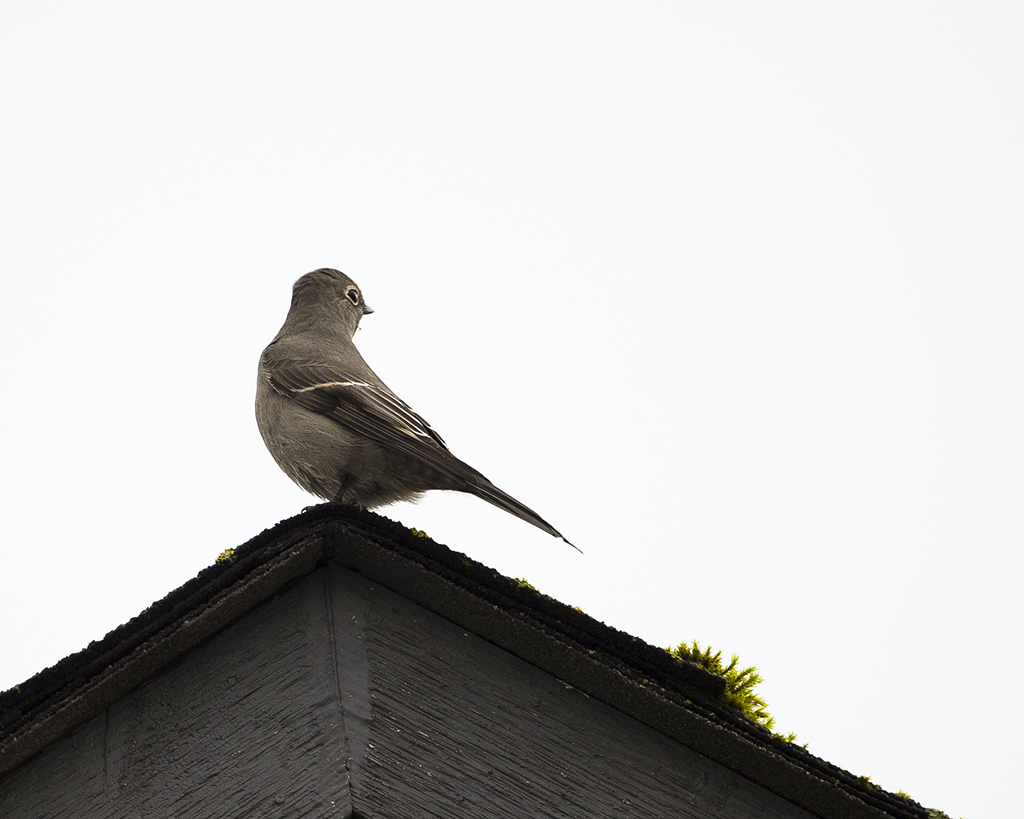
point(359, 404)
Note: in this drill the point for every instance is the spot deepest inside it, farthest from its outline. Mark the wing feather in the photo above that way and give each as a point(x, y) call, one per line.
point(367, 408)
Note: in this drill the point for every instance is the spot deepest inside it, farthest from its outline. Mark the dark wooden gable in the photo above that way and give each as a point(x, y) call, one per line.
point(322, 679)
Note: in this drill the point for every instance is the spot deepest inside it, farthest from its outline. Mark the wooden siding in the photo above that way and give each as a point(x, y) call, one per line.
point(338, 695)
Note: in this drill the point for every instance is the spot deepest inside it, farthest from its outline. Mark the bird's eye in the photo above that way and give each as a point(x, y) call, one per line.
point(353, 295)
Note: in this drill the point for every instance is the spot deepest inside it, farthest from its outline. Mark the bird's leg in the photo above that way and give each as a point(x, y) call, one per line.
point(339, 496)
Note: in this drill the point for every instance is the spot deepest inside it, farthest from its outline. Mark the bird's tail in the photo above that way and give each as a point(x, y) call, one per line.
point(485, 490)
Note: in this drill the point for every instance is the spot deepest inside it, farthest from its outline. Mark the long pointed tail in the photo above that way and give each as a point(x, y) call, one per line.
point(485, 490)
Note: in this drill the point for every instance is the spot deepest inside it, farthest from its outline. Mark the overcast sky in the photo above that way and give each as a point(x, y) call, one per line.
point(731, 295)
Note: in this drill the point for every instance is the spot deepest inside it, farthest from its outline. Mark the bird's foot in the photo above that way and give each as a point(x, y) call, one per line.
point(351, 504)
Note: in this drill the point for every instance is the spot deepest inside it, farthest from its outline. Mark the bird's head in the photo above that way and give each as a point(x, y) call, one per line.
point(328, 295)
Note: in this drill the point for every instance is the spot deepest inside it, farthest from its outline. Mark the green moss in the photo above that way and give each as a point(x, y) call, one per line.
point(739, 683)
point(739, 693)
point(419, 533)
point(227, 556)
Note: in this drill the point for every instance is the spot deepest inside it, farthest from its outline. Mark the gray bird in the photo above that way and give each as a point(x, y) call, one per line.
point(335, 428)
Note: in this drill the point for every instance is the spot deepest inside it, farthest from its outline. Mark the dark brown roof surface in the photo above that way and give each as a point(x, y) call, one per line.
point(678, 699)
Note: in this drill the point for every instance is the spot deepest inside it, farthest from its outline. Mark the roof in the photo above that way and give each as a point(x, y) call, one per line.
point(678, 699)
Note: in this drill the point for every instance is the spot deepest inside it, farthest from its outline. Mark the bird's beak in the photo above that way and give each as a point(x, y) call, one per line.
point(367, 309)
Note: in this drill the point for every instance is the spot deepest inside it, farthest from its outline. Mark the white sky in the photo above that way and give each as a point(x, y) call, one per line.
point(732, 296)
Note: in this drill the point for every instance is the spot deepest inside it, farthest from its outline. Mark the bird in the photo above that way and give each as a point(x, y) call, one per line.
point(336, 429)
